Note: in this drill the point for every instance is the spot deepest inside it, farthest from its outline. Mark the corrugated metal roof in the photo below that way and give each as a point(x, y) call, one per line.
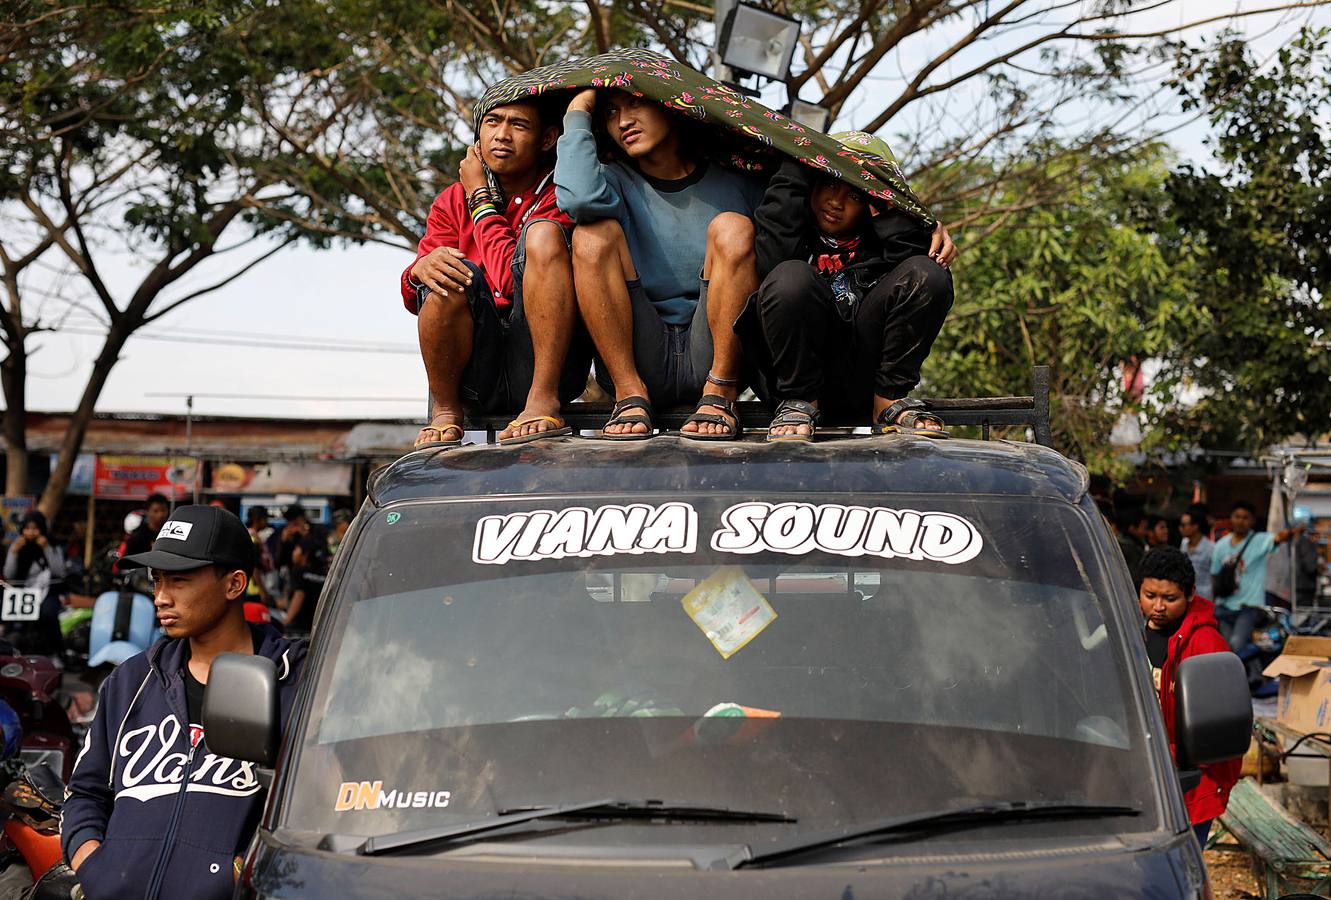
point(227, 437)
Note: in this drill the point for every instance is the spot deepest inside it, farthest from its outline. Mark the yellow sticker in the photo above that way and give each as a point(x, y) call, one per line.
point(728, 609)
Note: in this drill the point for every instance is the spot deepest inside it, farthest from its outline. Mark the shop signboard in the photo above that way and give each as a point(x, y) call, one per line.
point(300, 478)
point(317, 509)
point(136, 477)
point(81, 478)
point(14, 509)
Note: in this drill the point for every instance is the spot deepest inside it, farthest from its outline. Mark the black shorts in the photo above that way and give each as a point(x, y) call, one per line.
point(498, 376)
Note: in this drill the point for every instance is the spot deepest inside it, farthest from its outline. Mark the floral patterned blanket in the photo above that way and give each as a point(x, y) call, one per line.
point(751, 136)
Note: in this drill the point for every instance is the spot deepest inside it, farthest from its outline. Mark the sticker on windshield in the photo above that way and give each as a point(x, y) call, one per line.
point(358, 795)
point(579, 531)
point(800, 528)
point(728, 609)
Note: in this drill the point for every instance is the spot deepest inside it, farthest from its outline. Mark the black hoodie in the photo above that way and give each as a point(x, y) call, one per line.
point(164, 834)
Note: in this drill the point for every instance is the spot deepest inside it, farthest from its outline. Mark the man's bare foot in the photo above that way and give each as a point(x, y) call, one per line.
point(631, 410)
point(730, 392)
point(925, 422)
point(445, 427)
point(535, 418)
point(776, 432)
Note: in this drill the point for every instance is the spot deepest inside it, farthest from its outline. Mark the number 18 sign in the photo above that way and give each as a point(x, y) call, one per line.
point(21, 604)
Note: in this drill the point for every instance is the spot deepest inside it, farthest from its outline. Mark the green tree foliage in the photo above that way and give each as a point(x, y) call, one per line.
point(1077, 285)
point(1262, 212)
point(1215, 278)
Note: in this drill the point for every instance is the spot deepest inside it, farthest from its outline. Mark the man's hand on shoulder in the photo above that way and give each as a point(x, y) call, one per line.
point(85, 850)
point(584, 101)
point(442, 270)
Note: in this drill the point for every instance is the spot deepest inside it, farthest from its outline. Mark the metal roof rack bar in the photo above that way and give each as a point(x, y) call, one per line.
point(1032, 410)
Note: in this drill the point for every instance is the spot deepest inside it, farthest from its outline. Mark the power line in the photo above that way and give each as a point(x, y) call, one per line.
point(257, 343)
point(285, 397)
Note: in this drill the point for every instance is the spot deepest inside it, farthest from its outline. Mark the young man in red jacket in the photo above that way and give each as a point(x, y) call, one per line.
point(1180, 625)
point(492, 287)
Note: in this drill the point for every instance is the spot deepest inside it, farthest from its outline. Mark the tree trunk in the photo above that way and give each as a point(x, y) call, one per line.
point(14, 377)
point(54, 495)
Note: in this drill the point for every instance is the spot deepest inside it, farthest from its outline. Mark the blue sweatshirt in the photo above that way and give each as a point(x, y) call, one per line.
point(665, 222)
point(171, 816)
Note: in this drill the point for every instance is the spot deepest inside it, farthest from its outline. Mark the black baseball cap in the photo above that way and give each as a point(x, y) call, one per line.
point(198, 536)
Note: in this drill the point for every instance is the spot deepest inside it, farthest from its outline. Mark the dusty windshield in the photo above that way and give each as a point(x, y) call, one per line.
point(836, 659)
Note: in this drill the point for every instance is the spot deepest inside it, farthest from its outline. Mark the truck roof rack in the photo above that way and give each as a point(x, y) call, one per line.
point(1032, 410)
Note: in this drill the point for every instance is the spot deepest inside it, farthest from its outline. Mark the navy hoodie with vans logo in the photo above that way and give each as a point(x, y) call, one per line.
point(171, 816)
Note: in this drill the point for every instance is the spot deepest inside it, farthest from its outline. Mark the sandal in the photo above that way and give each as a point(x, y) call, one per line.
point(617, 417)
point(731, 425)
point(905, 416)
point(794, 412)
point(561, 428)
point(425, 442)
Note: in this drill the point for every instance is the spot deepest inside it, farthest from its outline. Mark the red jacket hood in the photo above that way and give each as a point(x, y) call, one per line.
point(1198, 634)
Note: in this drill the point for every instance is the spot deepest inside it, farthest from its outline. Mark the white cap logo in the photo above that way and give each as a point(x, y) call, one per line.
point(176, 531)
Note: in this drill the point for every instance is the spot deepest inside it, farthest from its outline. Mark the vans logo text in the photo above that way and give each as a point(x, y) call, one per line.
point(151, 768)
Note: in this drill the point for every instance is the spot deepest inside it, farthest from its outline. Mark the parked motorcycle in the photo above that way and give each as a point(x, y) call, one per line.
point(124, 621)
point(31, 866)
point(31, 687)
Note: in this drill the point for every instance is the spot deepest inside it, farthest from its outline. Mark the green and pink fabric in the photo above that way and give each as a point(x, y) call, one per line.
point(751, 137)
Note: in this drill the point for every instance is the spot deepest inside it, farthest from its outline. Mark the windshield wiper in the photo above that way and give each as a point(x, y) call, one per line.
point(609, 808)
point(939, 820)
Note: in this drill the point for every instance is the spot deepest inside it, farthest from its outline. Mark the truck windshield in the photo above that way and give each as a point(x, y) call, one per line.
point(835, 659)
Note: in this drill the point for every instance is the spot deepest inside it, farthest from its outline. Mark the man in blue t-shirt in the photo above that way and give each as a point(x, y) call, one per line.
point(1238, 611)
point(663, 261)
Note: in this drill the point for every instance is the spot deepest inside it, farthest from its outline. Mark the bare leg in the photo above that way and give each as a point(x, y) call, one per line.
point(547, 299)
point(444, 327)
point(601, 266)
point(732, 277)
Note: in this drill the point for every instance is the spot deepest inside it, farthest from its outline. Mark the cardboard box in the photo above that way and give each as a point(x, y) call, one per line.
point(1304, 669)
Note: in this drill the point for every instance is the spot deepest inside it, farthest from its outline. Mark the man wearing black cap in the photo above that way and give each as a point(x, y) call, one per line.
point(150, 811)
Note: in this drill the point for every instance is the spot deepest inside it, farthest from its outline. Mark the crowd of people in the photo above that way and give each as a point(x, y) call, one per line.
point(603, 230)
point(285, 587)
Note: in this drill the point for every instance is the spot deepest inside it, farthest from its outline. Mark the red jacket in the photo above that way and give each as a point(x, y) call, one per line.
point(491, 242)
point(1197, 635)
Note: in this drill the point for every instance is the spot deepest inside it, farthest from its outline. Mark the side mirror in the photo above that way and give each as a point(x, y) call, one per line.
point(1212, 710)
point(241, 715)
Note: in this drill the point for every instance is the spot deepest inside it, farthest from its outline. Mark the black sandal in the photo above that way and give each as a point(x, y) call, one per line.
point(731, 425)
point(794, 412)
point(905, 416)
point(617, 417)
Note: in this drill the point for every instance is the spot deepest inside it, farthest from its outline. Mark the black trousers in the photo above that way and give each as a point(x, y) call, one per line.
point(812, 353)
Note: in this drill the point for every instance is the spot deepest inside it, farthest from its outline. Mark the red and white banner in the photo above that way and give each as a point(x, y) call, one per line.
point(135, 477)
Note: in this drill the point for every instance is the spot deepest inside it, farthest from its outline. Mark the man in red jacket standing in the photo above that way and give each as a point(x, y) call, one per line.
point(1180, 625)
point(492, 286)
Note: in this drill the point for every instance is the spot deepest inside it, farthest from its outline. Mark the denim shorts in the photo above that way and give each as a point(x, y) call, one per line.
point(672, 360)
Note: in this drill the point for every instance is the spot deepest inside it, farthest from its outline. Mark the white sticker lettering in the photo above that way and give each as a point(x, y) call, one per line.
point(800, 528)
point(579, 531)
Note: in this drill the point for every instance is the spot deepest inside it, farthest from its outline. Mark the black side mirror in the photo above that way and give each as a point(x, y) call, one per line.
point(1212, 710)
point(241, 715)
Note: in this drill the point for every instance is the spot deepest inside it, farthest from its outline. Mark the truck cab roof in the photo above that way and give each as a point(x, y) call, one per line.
point(666, 464)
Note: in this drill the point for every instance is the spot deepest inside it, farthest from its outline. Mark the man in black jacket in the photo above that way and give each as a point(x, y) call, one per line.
point(151, 811)
point(850, 303)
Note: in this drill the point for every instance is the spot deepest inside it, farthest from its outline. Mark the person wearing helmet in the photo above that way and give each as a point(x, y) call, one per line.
point(151, 811)
point(851, 300)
